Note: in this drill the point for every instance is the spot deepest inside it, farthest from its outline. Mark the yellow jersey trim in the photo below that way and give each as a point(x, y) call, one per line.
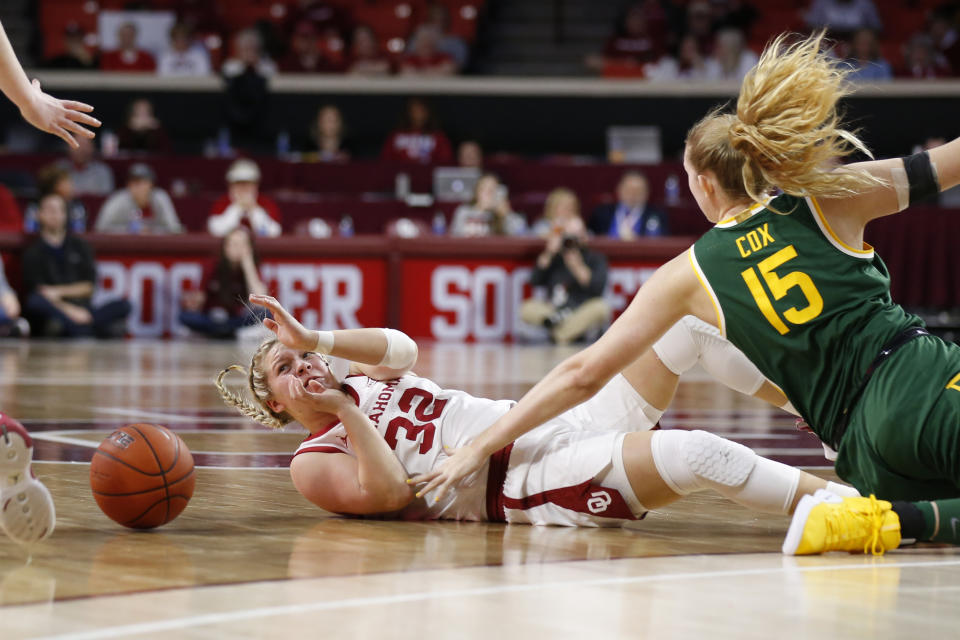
point(833, 237)
point(954, 384)
point(734, 220)
point(706, 286)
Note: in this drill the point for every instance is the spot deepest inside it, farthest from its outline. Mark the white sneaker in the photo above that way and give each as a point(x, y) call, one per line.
point(26, 508)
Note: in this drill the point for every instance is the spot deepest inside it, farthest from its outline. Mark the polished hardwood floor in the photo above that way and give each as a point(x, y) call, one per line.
point(250, 558)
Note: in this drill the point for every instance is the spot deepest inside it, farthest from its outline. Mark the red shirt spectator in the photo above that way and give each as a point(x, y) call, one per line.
point(638, 40)
point(922, 60)
point(419, 138)
point(307, 55)
point(127, 57)
point(366, 57)
point(243, 205)
point(10, 216)
point(424, 57)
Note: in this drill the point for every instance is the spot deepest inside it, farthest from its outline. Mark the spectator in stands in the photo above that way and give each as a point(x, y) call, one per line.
point(489, 213)
point(843, 17)
point(76, 54)
point(12, 324)
point(327, 136)
point(141, 207)
point(88, 175)
point(943, 31)
point(865, 59)
point(217, 310)
point(731, 59)
point(366, 56)
point(11, 220)
point(424, 58)
point(631, 216)
point(562, 205)
point(56, 179)
point(698, 24)
point(470, 155)
point(438, 16)
point(574, 278)
point(689, 63)
point(419, 138)
point(142, 131)
point(184, 57)
point(247, 93)
point(640, 40)
point(127, 56)
point(59, 275)
point(922, 60)
point(305, 54)
point(244, 205)
point(248, 56)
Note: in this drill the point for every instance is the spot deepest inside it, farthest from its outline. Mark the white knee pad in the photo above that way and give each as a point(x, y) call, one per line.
point(692, 460)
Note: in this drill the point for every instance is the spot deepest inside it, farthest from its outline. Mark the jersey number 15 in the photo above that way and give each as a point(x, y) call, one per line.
point(779, 286)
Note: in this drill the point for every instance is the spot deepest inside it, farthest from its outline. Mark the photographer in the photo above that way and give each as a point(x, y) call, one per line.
point(574, 277)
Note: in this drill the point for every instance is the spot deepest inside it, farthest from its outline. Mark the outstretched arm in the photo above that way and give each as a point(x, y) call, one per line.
point(382, 354)
point(893, 196)
point(59, 117)
point(671, 293)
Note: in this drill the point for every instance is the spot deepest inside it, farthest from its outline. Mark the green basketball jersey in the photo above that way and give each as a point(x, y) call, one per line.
point(811, 312)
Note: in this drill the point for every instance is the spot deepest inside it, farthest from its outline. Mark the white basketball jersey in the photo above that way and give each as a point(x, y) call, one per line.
point(422, 423)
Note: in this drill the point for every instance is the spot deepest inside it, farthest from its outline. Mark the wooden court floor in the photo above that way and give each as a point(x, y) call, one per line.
point(249, 558)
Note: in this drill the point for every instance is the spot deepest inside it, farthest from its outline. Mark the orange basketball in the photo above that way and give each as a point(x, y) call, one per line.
point(142, 475)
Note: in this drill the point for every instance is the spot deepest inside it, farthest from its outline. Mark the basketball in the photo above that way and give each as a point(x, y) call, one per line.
point(142, 476)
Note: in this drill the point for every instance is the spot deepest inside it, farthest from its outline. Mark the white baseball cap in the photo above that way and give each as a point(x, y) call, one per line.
point(243, 171)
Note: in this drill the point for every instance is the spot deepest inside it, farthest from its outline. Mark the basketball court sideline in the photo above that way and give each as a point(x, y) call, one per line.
point(250, 558)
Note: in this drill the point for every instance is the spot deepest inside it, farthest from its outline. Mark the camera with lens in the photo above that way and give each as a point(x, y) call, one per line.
point(570, 242)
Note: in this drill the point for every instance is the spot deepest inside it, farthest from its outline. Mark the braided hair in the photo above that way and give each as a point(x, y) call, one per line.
point(257, 383)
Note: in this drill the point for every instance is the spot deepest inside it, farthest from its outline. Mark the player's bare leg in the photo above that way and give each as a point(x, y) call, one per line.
point(26, 508)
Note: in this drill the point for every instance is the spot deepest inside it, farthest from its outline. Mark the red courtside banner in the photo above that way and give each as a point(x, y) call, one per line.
point(340, 293)
point(479, 299)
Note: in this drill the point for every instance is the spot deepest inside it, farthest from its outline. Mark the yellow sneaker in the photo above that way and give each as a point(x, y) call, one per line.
point(826, 522)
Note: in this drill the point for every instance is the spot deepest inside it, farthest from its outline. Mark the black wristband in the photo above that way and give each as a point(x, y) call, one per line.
point(921, 176)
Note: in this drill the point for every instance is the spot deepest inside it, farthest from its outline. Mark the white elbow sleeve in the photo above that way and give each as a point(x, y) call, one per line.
point(401, 350)
point(677, 348)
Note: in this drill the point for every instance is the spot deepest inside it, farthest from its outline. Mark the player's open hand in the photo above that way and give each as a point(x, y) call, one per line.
point(62, 118)
point(288, 329)
point(464, 461)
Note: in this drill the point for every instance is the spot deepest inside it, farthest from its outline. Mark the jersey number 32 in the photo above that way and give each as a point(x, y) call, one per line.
point(426, 411)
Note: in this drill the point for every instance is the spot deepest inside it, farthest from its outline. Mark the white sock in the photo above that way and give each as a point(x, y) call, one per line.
point(842, 490)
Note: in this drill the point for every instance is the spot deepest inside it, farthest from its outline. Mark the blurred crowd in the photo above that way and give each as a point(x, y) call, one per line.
point(192, 38)
point(656, 40)
point(715, 40)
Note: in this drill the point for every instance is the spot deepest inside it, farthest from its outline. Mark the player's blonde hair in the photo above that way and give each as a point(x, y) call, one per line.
point(786, 132)
point(257, 383)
